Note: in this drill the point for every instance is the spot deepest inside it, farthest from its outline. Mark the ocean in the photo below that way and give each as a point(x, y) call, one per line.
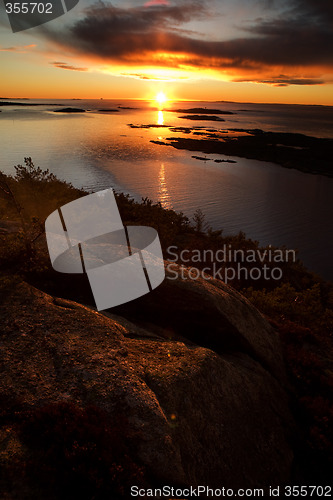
point(98, 149)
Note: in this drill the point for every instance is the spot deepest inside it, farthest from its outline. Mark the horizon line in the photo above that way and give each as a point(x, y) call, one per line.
point(152, 100)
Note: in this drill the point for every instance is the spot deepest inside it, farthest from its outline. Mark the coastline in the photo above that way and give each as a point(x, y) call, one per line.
point(239, 197)
point(255, 334)
point(307, 154)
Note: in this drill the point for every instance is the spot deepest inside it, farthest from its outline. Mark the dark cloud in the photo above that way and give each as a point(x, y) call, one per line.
point(118, 34)
point(115, 21)
point(283, 82)
point(300, 36)
point(64, 65)
point(318, 10)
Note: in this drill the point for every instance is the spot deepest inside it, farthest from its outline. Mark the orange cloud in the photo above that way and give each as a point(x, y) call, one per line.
point(20, 48)
point(293, 48)
point(156, 2)
point(64, 65)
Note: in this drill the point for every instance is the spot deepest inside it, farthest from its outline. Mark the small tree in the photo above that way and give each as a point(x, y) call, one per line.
point(9, 193)
point(28, 198)
point(29, 172)
point(200, 224)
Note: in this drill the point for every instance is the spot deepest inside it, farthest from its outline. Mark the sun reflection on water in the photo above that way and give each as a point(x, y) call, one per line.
point(160, 118)
point(163, 194)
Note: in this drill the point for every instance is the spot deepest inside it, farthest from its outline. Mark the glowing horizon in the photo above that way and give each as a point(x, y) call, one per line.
point(190, 51)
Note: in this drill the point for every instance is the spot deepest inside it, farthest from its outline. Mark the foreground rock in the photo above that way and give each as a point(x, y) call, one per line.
point(197, 416)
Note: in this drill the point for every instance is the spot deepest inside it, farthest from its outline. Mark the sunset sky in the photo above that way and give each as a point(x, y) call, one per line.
point(241, 50)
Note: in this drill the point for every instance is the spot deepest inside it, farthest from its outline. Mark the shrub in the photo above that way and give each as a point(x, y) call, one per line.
point(79, 452)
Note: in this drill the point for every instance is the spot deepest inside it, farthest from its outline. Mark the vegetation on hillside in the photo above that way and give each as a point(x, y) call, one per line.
point(73, 452)
point(299, 305)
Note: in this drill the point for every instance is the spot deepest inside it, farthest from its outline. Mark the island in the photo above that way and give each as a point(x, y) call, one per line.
point(12, 103)
point(307, 154)
point(69, 110)
point(205, 111)
point(106, 110)
point(211, 118)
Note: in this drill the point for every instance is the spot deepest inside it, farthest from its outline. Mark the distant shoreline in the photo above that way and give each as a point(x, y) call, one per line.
point(304, 153)
point(214, 101)
point(11, 103)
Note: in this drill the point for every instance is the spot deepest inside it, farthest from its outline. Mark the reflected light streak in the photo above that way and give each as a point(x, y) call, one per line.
point(160, 118)
point(163, 193)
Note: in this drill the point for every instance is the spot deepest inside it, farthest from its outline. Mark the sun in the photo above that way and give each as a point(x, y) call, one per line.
point(161, 98)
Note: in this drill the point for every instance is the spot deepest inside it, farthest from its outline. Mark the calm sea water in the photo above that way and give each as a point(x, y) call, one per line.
point(96, 150)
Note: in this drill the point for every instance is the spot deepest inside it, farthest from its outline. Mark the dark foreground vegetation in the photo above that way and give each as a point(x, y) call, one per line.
point(299, 306)
point(74, 453)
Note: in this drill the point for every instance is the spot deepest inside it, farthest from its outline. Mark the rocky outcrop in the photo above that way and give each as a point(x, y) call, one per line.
point(209, 313)
point(217, 416)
